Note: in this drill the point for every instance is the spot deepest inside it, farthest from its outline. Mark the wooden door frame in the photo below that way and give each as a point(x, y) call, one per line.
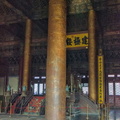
point(113, 80)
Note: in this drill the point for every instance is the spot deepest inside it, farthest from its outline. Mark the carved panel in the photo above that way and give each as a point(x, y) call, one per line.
point(39, 48)
point(39, 59)
point(77, 58)
point(13, 70)
point(77, 22)
point(112, 54)
point(10, 50)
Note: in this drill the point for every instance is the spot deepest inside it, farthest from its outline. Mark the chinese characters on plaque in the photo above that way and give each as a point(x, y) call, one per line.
point(77, 40)
point(100, 80)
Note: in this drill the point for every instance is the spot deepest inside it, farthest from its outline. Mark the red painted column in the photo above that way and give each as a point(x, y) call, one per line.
point(56, 61)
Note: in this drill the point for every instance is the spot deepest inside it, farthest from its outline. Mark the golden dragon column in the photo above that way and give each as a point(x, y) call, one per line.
point(26, 62)
point(56, 61)
point(92, 56)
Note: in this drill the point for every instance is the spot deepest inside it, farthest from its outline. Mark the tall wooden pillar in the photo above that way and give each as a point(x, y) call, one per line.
point(92, 56)
point(56, 61)
point(26, 61)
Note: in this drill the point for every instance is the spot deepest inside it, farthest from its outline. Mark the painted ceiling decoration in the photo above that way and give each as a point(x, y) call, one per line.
point(38, 9)
point(13, 14)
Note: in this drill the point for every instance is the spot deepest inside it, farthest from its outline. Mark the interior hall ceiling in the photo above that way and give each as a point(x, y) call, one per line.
point(17, 10)
point(13, 14)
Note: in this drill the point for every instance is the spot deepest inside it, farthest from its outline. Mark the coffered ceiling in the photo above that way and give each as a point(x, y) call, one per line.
point(13, 14)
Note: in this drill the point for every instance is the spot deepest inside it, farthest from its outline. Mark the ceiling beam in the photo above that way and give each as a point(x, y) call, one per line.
point(22, 7)
point(18, 12)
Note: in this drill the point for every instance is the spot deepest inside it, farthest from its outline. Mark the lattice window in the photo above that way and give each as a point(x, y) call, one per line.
point(14, 60)
point(117, 88)
point(110, 87)
point(38, 59)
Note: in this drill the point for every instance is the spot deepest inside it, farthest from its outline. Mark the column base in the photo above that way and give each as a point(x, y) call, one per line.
point(23, 93)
